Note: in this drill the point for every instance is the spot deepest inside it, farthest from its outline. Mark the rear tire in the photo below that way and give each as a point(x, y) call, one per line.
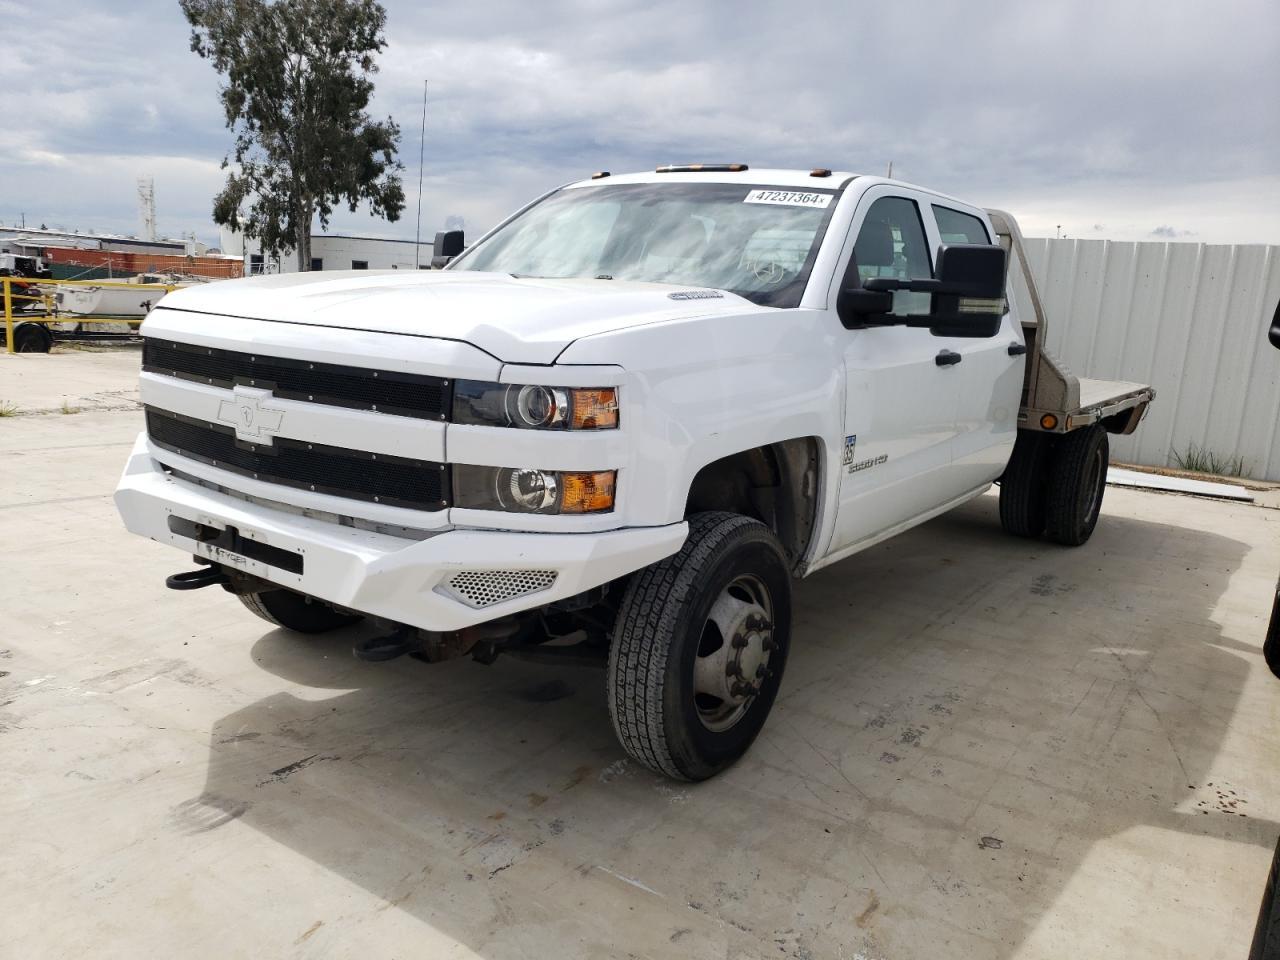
point(1024, 489)
point(1077, 481)
point(293, 611)
point(699, 648)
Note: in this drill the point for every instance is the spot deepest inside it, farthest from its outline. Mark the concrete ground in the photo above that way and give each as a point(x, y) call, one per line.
point(72, 378)
point(984, 747)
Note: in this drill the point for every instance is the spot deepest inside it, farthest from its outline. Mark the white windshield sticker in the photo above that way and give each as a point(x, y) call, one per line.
point(789, 198)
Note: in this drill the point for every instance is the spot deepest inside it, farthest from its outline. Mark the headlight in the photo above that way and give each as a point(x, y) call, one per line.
point(535, 407)
point(520, 490)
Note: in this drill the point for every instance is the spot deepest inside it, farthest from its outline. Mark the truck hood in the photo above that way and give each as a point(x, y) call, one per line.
point(516, 320)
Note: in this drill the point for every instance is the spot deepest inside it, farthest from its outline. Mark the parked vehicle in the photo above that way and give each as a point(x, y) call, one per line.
point(616, 428)
point(20, 296)
point(1271, 645)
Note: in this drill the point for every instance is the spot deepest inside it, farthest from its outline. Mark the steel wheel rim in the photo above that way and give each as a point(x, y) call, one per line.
point(731, 665)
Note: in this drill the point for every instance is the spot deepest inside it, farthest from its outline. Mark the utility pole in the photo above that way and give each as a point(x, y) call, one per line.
point(422, 141)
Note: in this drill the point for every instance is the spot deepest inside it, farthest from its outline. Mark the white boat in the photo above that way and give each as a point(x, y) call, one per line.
point(125, 298)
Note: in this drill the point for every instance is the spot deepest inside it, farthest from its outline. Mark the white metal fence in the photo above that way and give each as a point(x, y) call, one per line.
point(1191, 319)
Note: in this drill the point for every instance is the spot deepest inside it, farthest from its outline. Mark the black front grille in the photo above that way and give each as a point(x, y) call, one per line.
point(400, 482)
point(387, 391)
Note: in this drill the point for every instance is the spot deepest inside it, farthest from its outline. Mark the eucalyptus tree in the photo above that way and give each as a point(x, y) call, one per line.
point(297, 80)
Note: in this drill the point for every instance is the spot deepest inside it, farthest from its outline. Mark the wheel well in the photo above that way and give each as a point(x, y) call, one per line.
point(776, 484)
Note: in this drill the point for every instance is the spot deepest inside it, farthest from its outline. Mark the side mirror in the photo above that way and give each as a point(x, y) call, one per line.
point(970, 301)
point(968, 295)
point(448, 244)
point(1274, 333)
point(859, 307)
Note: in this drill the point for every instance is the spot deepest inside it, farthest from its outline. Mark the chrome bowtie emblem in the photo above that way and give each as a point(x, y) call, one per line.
point(249, 413)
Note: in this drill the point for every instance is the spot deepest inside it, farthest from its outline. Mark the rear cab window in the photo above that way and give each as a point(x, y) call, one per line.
point(957, 227)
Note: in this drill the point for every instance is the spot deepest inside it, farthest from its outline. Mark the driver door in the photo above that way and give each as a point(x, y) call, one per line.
point(900, 404)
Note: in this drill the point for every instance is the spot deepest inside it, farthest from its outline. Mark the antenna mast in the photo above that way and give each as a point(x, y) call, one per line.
point(422, 141)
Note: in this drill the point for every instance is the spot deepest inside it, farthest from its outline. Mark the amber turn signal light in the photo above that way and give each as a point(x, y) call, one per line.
point(1048, 421)
point(587, 492)
point(594, 409)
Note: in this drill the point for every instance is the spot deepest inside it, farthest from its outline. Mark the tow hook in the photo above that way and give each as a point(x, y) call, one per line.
point(195, 579)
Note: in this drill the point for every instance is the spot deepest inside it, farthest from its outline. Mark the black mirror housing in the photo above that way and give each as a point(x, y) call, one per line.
point(968, 295)
point(1274, 333)
point(447, 245)
point(972, 270)
point(859, 307)
point(970, 299)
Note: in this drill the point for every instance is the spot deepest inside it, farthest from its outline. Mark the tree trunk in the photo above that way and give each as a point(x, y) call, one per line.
point(305, 213)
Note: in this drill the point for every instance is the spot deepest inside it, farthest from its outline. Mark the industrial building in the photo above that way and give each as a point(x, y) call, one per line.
point(334, 252)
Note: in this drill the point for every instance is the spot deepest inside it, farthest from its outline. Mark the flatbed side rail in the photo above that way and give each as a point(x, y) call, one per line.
point(1052, 398)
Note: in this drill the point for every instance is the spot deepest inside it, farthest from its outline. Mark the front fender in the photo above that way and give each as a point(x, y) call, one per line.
point(703, 389)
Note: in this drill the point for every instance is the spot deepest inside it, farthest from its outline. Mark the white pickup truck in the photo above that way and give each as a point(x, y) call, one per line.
point(615, 428)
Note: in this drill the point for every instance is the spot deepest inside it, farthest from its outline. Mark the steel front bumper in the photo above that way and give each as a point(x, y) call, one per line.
point(451, 579)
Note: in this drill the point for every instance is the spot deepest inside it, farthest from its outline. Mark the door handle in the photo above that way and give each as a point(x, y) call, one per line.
point(1017, 349)
point(946, 358)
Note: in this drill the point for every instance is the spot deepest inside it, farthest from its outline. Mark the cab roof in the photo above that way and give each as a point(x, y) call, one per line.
point(770, 176)
point(773, 177)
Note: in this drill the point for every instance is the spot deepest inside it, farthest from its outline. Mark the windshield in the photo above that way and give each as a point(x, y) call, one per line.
point(755, 241)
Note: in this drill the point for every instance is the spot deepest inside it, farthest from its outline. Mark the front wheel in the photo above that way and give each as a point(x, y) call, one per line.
point(699, 648)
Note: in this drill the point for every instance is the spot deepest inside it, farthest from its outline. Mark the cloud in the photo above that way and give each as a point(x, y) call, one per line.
point(1077, 114)
point(1169, 233)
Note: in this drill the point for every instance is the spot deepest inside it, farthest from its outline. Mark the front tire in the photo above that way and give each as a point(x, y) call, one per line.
point(699, 648)
point(1077, 481)
point(293, 611)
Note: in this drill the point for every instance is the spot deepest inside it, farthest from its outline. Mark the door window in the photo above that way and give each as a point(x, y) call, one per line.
point(891, 243)
point(957, 227)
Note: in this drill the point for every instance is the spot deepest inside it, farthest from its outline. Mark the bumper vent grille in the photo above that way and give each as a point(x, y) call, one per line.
point(356, 474)
point(484, 588)
point(387, 391)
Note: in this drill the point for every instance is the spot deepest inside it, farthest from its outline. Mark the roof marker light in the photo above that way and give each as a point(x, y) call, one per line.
point(702, 168)
point(819, 172)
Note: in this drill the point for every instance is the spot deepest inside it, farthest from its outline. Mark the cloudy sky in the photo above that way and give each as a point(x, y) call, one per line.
point(1121, 119)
